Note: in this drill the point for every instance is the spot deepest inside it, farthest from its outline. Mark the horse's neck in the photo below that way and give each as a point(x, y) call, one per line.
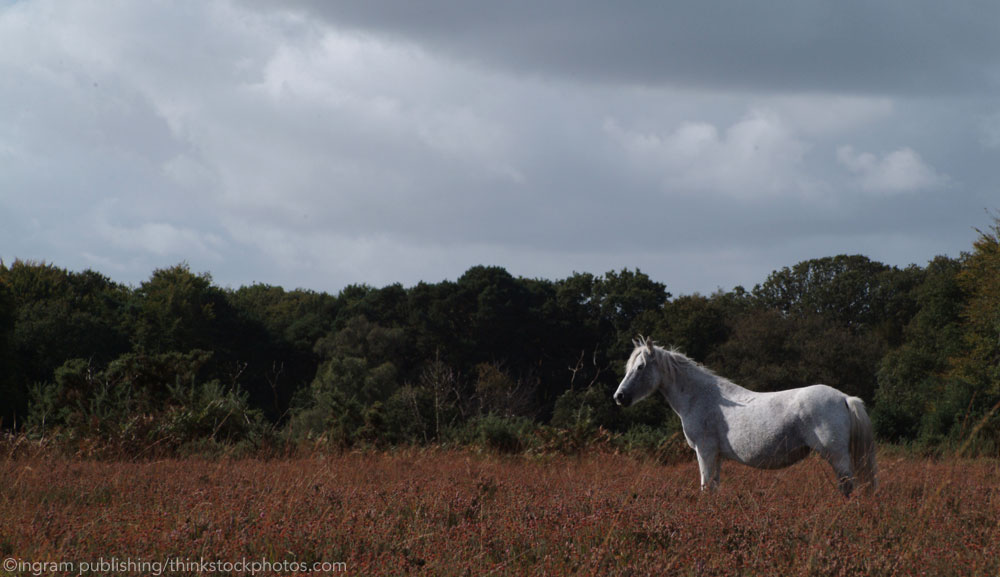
point(692, 382)
point(689, 383)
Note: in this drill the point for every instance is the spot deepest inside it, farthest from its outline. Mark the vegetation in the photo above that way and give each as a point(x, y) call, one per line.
point(178, 365)
point(433, 512)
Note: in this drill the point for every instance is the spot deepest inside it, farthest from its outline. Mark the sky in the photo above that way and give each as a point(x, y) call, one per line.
point(316, 144)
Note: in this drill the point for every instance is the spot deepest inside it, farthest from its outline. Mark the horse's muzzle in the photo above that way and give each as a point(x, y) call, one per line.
point(622, 399)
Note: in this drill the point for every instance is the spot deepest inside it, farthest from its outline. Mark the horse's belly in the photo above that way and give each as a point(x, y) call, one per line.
point(766, 449)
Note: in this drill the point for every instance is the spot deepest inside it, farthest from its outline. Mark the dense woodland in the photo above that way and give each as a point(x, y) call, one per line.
point(179, 364)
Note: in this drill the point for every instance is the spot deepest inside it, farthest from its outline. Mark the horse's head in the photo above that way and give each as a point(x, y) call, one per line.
point(642, 376)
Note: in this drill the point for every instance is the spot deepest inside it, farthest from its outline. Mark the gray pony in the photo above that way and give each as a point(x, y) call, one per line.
point(722, 420)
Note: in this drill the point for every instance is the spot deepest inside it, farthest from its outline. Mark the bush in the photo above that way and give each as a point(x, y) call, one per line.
point(593, 407)
point(495, 433)
point(141, 404)
point(417, 415)
point(208, 411)
point(664, 444)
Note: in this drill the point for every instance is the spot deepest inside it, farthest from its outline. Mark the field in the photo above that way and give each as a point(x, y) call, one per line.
point(437, 512)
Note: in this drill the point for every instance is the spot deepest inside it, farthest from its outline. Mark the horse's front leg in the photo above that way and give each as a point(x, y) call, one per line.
point(708, 464)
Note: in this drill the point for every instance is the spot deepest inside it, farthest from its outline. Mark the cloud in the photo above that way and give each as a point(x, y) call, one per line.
point(804, 46)
point(899, 171)
point(158, 238)
point(989, 131)
point(758, 155)
point(318, 144)
point(825, 115)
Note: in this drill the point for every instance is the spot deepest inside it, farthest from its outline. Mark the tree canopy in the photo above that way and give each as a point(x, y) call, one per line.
point(178, 360)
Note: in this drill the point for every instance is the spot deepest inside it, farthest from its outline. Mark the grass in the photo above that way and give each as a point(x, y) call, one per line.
point(438, 512)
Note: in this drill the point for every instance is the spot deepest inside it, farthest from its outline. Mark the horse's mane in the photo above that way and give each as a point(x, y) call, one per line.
point(673, 362)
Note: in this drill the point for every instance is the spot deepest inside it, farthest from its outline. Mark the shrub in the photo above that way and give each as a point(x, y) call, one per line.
point(141, 403)
point(664, 444)
point(210, 411)
point(495, 433)
point(593, 407)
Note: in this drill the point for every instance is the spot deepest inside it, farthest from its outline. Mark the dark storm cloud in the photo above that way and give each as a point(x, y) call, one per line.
point(892, 47)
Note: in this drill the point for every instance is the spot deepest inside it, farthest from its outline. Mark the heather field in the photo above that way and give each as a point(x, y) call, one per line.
point(459, 513)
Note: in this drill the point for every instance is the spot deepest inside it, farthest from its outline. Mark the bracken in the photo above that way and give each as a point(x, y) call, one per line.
point(457, 513)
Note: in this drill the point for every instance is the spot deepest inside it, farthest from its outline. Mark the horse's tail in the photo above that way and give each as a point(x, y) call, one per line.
point(862, 445)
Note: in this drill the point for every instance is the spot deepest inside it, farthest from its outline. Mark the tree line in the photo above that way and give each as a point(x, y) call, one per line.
point(178, 363)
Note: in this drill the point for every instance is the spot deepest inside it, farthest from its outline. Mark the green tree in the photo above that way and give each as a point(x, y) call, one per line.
point(387, 306)
point(275, 339)
point(851, 290)
point(490, 317)
point(298, 317)
point(980, 279)
point(176, 310)
point(499, 314)
point(826, 320)
point(355, 379)
point(698, 325)
point(978, 364)
point(913, 378)
point(17, 401)
point(614, 301)
point(622, 297)
point(57, 315)
point(769, 351)
point(359, 360)
point(607, 312)
point(433, 326)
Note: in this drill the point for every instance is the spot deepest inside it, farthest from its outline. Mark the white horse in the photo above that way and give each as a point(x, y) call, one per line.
point(766, 430)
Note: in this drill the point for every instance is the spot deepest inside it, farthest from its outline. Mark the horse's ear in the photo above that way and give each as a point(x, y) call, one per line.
point(637, 342)
point(649, 343)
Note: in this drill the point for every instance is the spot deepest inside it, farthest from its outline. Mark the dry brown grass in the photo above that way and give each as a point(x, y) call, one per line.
point(456, 513)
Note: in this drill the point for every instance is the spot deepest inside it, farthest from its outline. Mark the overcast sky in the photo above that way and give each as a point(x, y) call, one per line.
point(319, 144)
